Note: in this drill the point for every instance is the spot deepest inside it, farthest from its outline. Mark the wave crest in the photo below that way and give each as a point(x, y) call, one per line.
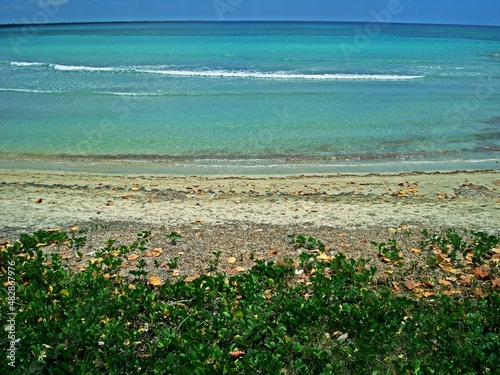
point(279, 75)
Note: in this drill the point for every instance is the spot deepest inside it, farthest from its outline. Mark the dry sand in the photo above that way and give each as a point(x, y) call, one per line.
point(459, 199)
point(246, 217)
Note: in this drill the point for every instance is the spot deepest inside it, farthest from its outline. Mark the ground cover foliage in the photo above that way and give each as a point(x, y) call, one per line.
point(320, 314)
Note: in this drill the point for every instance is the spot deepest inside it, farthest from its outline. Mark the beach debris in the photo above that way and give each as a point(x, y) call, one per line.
point(482, 272)
point(155, 281)
point(411, 285)
point(190, 279)
point(478, 293)
point(39, 200)
point(236, 353)
point(156, 252)
point(343, 337)
point(444, 282)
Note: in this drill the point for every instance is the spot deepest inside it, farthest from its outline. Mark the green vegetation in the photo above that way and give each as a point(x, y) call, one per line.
point(332, 317)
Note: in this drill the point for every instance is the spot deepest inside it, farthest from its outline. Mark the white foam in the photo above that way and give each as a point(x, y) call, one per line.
point(23, 63)
point(225, 73)
point(83, 68)
point(278, 75)
point(31, 91)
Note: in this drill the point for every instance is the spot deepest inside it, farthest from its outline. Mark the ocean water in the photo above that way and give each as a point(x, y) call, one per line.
point(249, 98)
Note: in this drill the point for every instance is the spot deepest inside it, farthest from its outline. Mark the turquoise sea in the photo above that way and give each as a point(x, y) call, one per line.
point(249, 98)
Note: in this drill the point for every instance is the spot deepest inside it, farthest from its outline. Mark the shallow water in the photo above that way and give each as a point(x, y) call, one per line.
point(250, 98)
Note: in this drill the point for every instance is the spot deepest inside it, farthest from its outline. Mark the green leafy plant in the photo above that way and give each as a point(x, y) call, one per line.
point(173, 237)
point(308, 243)
point(389, 250)
point(331, 319)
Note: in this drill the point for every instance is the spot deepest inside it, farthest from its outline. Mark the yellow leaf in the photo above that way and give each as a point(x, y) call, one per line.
point(323, 256)
point(75, 228)
point(231, 260)
point(496, 250)
point(155, 281)
point(64, 292)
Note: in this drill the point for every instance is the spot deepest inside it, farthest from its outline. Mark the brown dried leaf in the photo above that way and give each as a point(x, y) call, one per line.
point(75, 228)
point(240, 269)
point(442, 260)
point(273, 252)
point(231, 260)
point(416, 251)
point(478, 293)
point(176, 273)
point(156, 252)
point(190, 279)
point(410, 285)
point(444, 282)
point(155, 281)
point(133, 257)
point(495, 283)
point(496, 258)
point(481, 272)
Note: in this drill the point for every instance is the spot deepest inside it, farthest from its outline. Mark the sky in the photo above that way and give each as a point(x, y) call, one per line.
point(469, 12)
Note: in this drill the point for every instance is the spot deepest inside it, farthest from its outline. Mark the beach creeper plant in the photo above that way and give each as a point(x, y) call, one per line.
point(331, 319)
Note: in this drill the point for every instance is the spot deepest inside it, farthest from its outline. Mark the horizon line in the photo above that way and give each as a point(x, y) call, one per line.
point(4, 25)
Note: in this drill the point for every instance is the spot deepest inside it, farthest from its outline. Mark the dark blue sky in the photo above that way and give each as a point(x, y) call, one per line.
point(478, 12)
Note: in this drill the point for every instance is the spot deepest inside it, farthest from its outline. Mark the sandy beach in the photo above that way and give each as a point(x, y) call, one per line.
point(471, 200)
point(249, 217)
